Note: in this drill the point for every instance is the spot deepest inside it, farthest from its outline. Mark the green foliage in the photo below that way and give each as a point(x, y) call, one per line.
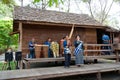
point(12, 65)
point(1, 64)
point(85, 0)
point(6, 8)
point(117, 0)
point(36, 1)
point(50, 2)
point(5, 39)
point(8, 2)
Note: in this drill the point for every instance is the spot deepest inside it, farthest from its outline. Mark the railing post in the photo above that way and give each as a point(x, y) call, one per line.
point(117, 55)
point(99, 76)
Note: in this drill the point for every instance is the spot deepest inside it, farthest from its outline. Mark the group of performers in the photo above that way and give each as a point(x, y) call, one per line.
point(64, 48)
point(78, 51)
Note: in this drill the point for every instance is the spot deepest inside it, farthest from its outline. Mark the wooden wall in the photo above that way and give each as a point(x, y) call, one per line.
point(56, 33)
point(90, 36)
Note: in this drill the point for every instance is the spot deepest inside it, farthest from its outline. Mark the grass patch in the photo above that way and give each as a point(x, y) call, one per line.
point(12, 65)
point(1, 66)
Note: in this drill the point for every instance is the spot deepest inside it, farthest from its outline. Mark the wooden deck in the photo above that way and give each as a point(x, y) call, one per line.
point(28, 61)
point(52, 72)
point(72, 58)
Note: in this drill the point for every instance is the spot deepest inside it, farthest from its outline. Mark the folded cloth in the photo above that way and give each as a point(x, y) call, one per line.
point(67, 51)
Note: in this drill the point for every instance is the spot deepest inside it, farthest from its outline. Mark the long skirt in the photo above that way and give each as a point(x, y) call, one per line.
point(32, 53)
point(79, 58)
point(67, 60)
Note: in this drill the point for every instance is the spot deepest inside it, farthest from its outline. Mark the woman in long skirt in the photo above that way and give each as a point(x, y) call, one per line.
point(78, 51)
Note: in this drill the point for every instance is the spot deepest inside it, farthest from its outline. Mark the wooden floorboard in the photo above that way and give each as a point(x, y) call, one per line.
point(28, 61)
point(72, 58)
point(51, 72)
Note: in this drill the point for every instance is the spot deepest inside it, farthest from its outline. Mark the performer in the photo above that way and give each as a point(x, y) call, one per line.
point(9, 55)
point(67, 52)
point(78, 51)
point(32, 48)
point(48, 42)
point(61, 47)
point(55, 49)
point(106, 40)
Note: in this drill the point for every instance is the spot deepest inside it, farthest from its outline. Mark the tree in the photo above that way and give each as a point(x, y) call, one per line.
point(99, 9)
point(47, 3)
point(6, 8)
point(9, 3)
point(5, 39)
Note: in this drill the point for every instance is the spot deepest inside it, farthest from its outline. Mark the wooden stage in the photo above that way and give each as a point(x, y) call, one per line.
point(28, 61)
point(52, 72)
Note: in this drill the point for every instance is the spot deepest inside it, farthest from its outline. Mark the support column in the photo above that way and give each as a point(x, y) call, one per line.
point(99, 76)
point(110, 37)
point(20, 42)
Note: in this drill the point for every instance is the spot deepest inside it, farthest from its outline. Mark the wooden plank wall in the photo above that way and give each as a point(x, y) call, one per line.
point(90, 36)
point(41, 33)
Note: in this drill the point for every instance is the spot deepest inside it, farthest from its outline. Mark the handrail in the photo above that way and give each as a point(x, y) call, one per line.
point(88, 45)
point(98, 44)
point(97, 50)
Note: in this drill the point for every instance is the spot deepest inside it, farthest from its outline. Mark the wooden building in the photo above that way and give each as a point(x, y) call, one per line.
point(41, 24)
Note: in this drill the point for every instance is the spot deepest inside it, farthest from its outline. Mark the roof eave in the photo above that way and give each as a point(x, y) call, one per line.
point(60, 24)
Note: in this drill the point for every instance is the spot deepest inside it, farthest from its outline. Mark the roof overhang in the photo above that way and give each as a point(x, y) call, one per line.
point(16, 24)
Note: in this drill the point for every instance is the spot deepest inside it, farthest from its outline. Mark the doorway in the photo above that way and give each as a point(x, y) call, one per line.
point(100, 32)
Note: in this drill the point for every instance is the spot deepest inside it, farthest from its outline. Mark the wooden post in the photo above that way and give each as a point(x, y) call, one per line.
point(99, 76)
point(28, 65)
point(117, 55)
point(118, 71)
point(111, 38)
point(21, 64)
point(86, 54)
point(20, 42)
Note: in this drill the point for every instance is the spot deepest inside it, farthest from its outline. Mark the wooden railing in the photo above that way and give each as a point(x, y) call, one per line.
point(96, 49)
point(89, 49)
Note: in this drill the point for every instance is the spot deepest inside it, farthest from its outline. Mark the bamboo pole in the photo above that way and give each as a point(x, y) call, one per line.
point(71, 32)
